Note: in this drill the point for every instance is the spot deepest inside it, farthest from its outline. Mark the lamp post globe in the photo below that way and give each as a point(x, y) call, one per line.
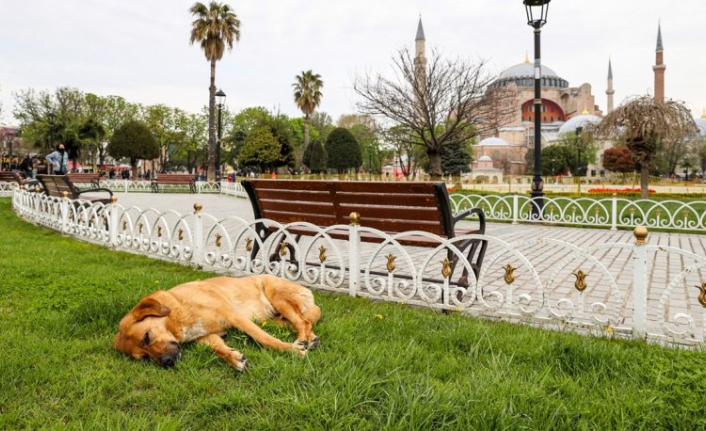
point(220, 102)
point(537, 11)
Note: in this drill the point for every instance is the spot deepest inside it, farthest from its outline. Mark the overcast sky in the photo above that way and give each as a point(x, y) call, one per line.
point(140, 49)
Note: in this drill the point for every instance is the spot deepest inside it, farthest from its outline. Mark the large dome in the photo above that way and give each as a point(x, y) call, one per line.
point(526, 70)
point(578, 121)
point(522, 75)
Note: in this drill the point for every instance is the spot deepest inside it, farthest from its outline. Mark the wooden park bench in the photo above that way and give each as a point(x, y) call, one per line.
point(85, 178)
point(18, 178)
point(174, 179)
point(391, 207)
point(56, 185)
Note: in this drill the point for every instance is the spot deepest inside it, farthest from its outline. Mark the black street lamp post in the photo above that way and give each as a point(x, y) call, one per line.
point(578, 157)
point(536, 17)
point(220, 101)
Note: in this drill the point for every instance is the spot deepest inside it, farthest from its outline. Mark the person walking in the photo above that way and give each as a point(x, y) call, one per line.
point(59, 160)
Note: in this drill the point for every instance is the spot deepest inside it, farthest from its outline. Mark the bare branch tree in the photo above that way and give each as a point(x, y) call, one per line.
point(446, 104)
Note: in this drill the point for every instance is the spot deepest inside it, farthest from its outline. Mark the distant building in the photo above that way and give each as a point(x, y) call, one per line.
point(564, 109)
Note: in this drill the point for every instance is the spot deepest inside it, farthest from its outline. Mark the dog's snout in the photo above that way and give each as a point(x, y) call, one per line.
point(169, 359)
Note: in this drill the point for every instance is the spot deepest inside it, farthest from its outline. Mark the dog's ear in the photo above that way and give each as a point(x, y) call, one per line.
point(150, 307)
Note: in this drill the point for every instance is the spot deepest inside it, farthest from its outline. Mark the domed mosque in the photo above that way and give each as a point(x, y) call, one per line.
point(563, 109)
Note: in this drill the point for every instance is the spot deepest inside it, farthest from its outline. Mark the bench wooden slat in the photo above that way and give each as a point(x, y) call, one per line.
point(317, 219)
point(388, 199)
point(273, 195)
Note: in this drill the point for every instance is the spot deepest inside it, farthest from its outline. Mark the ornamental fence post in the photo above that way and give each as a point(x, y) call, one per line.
point(199, 244)
point(64, 205)
point(614, 212)
point(639, 282)
point(514, 208)
point(354, 254)
point(113, 222)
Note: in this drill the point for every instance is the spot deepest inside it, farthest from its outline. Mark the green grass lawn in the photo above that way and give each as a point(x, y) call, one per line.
point(380, 366)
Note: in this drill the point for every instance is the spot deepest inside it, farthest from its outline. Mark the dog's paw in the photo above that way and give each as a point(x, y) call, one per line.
point(316, 342)
point(237, 360)
point(301, 346)
point(242, 364)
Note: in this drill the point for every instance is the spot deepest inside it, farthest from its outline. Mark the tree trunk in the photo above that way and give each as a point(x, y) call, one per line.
point(306, 131)
point(645, 180)
point(434, 165)
point(211, 160)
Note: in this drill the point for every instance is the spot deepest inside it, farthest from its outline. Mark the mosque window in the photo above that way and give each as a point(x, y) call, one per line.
point(552, 119)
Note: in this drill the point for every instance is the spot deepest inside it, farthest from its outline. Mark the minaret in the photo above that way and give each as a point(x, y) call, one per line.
point(610, 90)
point(420, 59)
point(659, 67)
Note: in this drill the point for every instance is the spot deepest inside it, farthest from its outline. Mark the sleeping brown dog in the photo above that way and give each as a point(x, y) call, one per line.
point(202, 311)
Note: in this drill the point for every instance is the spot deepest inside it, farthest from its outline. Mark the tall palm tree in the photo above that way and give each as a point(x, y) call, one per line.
point(214, 28)
point(307, 96)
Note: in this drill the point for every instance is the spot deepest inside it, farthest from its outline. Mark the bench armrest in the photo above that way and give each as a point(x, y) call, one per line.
point(99, 189)
point(477, 211)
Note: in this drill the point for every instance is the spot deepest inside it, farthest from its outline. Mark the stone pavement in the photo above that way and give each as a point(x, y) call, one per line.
point(545, 257)
point(221, 206)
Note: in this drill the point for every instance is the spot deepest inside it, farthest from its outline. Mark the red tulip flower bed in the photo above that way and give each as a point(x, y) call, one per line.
point(627, 190)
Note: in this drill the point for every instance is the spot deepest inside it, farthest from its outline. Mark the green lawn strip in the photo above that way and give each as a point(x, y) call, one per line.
point(381, 366)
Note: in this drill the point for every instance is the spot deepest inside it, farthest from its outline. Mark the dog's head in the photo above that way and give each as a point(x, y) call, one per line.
point(143, 333)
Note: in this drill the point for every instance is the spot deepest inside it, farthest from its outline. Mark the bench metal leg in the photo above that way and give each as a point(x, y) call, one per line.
point(476, 248)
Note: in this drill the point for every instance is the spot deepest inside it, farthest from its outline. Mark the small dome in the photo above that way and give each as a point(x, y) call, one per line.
point(701, 124)
point(493, 141)
point(578, 121)
point(485, 159)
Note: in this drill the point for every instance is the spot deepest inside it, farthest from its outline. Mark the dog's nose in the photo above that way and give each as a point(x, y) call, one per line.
point(168, 362)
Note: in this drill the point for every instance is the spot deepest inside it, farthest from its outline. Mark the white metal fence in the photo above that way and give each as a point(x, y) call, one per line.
point(613, 212)
point(618, 289)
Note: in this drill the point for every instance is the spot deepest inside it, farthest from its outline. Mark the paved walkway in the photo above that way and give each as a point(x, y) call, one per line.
point(544, 256)
point(221, 206)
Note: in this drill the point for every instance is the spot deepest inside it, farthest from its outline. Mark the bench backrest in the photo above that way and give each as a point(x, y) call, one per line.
point(56, 185)
point(85, 178)
point(11, 177)
point(387, 206)
point(175, 178)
